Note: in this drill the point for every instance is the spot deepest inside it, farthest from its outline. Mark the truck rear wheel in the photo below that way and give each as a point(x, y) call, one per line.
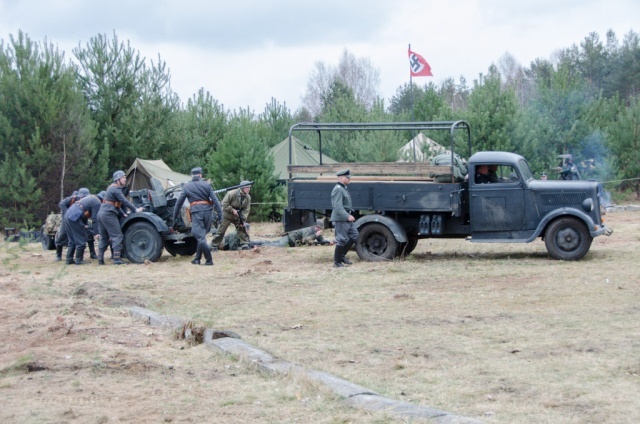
point(48, 243)
point(142, 242)
point(188, 247)
point(567, 239)
point(376, 243)
point(406, 248)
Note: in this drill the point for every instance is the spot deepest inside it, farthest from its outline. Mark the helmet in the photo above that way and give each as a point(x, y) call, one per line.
point(83, 192)
point(117, 175)
point(246, 183)
point(320, 223)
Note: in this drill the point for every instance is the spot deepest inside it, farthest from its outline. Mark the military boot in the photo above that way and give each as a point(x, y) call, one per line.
point(345, 249)
point(100, 256)
point(80, 255)
point(209, 258)
point(337, 257)
point(117, 260)
point(92, 249)
point(70, 252)
point(196, 260)
point(58, 252)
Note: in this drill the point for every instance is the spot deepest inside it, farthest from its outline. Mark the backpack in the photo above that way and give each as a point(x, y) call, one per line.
point(459, 168)
point(52, 223)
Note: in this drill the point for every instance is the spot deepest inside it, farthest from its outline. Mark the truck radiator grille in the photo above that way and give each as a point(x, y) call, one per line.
point(563, 198)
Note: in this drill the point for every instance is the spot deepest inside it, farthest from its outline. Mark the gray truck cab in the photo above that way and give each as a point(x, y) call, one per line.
point(514, 207)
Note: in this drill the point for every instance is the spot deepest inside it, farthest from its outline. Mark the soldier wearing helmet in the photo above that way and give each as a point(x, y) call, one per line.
point(76, 221)
point(62, 239)
point(114, 206)
point(236, 205)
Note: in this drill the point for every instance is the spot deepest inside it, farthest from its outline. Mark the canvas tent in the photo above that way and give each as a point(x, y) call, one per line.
point(153, 175)
point(301, 155)
point(425, 149)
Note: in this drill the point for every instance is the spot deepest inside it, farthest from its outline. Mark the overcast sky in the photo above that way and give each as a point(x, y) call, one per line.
point(245, 52)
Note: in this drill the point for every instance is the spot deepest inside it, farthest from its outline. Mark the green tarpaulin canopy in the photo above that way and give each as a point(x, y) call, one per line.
point(301, 155)
point(153, 175)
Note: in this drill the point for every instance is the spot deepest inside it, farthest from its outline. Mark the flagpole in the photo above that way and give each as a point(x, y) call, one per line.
point(413, 133)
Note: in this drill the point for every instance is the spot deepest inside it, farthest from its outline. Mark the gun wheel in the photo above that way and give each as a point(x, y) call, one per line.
point(142, 242)
point(187, 247)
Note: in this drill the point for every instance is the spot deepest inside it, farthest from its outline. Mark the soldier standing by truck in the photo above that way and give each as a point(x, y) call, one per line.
point(236, 205)
point(343, 220)
point(109, 218)
point(202, 200)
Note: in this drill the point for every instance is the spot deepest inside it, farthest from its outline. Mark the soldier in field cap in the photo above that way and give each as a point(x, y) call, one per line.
point(343, 219)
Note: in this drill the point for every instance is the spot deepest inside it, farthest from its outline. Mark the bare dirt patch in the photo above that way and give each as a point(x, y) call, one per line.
point(496, 332)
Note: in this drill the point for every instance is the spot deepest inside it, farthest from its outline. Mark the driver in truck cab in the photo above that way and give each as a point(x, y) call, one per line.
point(486, 174)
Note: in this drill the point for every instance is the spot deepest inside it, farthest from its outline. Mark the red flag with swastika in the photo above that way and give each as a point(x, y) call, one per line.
point(418, 67)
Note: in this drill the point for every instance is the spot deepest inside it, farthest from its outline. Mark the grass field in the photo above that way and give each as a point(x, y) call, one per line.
point(500, 333)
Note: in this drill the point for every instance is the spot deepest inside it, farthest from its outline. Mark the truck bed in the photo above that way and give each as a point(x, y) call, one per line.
point(372, 195)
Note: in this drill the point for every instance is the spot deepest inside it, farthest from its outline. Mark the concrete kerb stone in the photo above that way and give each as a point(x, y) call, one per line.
point(155, 319)
point(229, 343)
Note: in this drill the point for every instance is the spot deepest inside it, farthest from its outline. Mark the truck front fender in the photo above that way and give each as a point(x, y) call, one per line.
point(152, 218)
point(398, 232)
point(594, 230)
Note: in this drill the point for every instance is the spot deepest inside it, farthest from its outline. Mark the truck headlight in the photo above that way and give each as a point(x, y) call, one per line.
point(587, 205)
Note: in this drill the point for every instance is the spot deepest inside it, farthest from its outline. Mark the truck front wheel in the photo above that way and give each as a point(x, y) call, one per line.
point(567, 239)
point(142, 242)
point(376, 243)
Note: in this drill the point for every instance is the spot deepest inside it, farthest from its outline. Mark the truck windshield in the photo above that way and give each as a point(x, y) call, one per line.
point(526, 171)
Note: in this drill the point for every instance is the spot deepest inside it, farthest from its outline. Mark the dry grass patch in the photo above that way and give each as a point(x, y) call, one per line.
point(496, 332)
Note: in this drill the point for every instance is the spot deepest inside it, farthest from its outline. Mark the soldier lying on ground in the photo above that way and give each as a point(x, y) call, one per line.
point(308, 236)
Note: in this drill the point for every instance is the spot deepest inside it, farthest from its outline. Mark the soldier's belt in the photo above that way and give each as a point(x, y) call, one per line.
point(116, 204)
point(201, 202)
point(86, 213)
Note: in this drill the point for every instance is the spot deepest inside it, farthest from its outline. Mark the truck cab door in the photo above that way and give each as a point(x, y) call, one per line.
point(498, 205)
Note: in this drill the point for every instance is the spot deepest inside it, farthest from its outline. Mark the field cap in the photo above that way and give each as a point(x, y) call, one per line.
point(344, 173)
point(319, 223)
point(197, 170)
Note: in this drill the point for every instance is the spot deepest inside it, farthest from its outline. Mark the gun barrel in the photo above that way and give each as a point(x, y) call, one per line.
point(221, 190)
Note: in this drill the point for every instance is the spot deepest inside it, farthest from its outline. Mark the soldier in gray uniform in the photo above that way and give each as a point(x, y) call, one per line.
point(113, 207)
point(343, 220)
point(202, 200)
point(76, 220)
point(61, 239)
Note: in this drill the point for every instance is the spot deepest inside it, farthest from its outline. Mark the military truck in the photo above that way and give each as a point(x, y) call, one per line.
point(398, 204)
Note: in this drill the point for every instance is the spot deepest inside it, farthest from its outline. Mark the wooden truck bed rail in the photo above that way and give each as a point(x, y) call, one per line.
point(361, 169)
